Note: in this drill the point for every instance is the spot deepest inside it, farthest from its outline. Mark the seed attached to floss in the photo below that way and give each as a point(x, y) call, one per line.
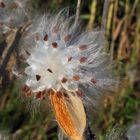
point(93, 81)
point(38, 77)
point(66, 95)
point(80, 93)
point(54, 45)
point(26, 91)
point(83, 47)
point(49, 70)
point(67, 38)
point(38, 95)
point(46, 37)
point(69, 59)
point(76, 77)
point(64, 80)
point(29, 94)
point(59, 94)
point(83, 59)
point(25, 88)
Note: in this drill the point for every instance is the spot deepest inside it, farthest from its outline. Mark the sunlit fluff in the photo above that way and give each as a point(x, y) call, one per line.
point(64, 58)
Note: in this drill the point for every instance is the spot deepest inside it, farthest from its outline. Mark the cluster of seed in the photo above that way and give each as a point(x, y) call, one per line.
point(62, 65)
point(63, 58)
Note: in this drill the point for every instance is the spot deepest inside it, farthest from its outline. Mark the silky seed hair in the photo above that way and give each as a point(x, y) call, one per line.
point(61, 56)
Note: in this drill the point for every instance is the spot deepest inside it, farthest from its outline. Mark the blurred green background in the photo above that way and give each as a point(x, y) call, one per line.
point(120, 111)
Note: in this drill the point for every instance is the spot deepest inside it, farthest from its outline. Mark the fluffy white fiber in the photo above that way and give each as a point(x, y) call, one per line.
point(65, 57)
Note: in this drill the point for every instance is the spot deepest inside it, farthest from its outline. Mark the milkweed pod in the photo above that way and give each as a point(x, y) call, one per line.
point(70, 114)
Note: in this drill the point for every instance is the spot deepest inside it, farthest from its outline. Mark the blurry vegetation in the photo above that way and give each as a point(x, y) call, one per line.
point(121, 110)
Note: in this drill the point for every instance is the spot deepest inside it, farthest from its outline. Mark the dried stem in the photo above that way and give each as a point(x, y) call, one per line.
point(88, 134)
point(105, 14)
point(93, 10)
point(77, 11)
point(12, 48)
point(112, 44)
